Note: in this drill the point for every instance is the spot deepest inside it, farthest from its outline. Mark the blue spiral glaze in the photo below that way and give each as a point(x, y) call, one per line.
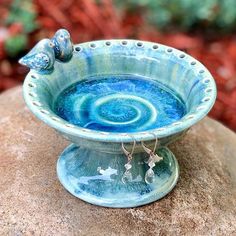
point(124, 103)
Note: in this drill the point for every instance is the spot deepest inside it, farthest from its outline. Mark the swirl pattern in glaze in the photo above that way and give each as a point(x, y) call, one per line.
point(119, 103)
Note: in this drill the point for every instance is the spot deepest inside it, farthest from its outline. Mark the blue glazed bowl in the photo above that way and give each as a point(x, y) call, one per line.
point(93, 167)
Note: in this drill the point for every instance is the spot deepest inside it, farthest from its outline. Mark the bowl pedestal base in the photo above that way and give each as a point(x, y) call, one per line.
point(96, 177)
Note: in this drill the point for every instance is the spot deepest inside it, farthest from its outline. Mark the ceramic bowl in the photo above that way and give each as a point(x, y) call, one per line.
point(93, 167)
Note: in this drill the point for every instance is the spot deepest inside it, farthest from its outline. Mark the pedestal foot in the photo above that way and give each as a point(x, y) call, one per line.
point(96, 177)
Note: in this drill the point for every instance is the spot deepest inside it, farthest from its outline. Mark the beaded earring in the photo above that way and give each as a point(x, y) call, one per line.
point(127, 176)
point(153, 158)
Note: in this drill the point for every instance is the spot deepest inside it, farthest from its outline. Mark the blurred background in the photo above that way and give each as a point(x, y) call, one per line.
point(205, 29)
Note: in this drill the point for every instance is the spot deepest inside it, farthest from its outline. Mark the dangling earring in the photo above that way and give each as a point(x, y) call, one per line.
point(153, 158)
point(127, 176)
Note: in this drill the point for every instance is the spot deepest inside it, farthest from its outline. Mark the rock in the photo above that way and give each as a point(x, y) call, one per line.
point(32, 201)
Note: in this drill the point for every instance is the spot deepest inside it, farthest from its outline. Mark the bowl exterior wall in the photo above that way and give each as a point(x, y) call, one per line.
point(115, 147)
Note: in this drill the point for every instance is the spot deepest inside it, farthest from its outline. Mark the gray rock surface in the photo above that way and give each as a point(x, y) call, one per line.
point(33, 202)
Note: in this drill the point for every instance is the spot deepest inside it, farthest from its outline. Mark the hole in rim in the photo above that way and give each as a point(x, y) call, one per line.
point(206, 81)
point(37, 104)
point(193, 63)
point(169, 50)
point(31, 85)
point(206, 99)
point(155, 46)
point(55, 118)
point(108, 43)
point(161, 129)
point(201, 71)
point(33, 76)
point(78, 49)
point(92, 45)
point(69, 125)
point(86, 130)
point(124, 42)
point(176, 123)
point(139, 44)
point(208, 90)
point(44, 112)
point(33, 95)
point(189, 117)
point(200, 108)
point(104, 132)
point(181, 55)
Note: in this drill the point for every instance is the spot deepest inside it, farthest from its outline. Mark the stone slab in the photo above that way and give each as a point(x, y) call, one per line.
point(33, 202)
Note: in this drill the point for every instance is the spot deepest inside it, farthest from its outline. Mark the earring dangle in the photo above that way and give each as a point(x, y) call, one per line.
point(153, 158)
point(127, 176)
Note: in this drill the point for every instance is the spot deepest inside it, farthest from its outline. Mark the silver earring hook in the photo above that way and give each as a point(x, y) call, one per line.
point(126, 152)
point(148, 150)
point(153, 159)
point(127, 176)
point(155, 146)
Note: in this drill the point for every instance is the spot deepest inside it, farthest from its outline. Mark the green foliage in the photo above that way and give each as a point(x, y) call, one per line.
point(15, 44)
point(184, 14)
point(21, 11)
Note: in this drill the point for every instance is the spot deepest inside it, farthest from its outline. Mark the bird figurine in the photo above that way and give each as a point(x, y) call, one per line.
point(63, 46)
point(41, 58)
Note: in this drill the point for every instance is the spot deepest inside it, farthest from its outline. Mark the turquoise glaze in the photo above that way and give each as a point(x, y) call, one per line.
point(98, 180)
point(43, 55)
point(120, 103)
point(129, 77)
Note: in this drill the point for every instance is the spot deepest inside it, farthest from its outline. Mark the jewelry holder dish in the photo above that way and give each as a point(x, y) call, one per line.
point(120, 102)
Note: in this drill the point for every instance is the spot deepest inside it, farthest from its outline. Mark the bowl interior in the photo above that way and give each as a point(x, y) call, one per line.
point(173, 69)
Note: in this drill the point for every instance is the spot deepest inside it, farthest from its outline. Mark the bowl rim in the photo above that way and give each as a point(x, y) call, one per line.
point(61, 125)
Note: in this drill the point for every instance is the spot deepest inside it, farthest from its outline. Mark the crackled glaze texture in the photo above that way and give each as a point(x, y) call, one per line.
point(93, 167)
point(122, 103)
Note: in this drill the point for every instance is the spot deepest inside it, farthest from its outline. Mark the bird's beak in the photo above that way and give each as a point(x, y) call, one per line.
point(22, 61)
